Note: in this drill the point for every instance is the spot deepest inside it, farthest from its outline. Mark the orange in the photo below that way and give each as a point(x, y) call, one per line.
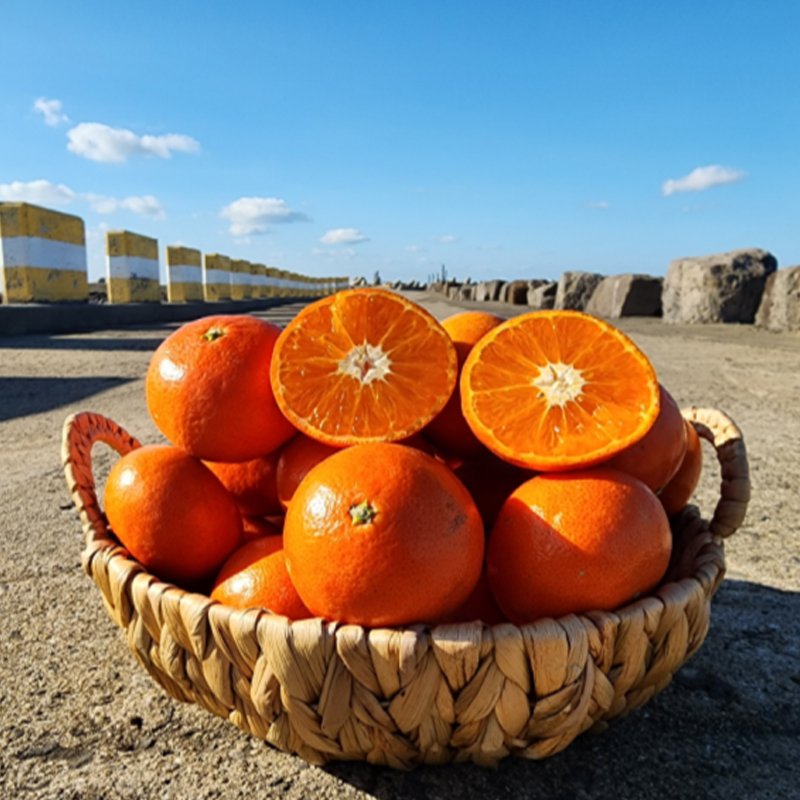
point(490, 481)
point(655, 458)
point(256, 527)
point(255, 576)
point(172, 514)
point(380, 534)
point(253, 483)
point(208, 389)
point(448, 429)
point(295, 461)
point(678, 492)
point(572, 542)
point(558, 390)
point(363, 365)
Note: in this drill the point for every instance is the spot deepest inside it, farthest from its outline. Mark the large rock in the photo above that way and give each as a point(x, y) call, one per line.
point(780, 302)
point(543, 296)
point(518, 291)
point(726, 287)
point(575, 289)
point(626, 296)
point(488, 290)
point(467, 291)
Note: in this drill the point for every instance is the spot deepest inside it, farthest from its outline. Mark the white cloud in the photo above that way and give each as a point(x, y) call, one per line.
point(602, 204)
point(343, 236)
point(445, 239)
point(702, 178)
point(39, 192)
point(145, 206)
point(44, 193)
point(99, 142)
point(51, 110)
point(249, 215)
point(414, 248)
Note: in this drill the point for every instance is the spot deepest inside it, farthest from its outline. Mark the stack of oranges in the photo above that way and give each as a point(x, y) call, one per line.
point(372, 466)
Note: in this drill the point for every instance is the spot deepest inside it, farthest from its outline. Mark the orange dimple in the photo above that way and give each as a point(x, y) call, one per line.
point(557, 390)
point(362, 365)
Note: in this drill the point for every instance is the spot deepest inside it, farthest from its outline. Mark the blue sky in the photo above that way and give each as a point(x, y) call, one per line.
point(503, 140)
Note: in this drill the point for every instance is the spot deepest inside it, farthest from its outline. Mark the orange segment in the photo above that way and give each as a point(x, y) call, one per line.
point(558, 390)
point(363, 365)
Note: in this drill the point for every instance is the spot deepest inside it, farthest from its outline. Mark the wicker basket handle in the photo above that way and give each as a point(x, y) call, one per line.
point(717, 428)
point(81, 431)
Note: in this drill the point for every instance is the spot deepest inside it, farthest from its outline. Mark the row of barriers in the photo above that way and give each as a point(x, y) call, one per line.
point(43, 259)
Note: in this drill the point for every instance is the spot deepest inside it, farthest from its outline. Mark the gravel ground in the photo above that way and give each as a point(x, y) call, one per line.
point(80, 720)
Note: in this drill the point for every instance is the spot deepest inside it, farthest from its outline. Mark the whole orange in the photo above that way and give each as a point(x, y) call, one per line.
point(678, 492)
point(655, 458)
point(209, 392)
point(253, 483)
point(448, 429)
point(172, 514)
point(571, 542)
point(294, 463)
point(381, 534)
point(255, 576)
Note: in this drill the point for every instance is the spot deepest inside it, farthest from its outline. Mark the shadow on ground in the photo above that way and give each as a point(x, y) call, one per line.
point(20, 397)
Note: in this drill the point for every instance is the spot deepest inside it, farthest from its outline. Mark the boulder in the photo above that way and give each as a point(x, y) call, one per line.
point(543, 296)
point(467, 291)
point(626, 296)
point(488, 291)
point(726, 287)
point(575, 289)
point(517, 293)
point(453, 290)
point(780, 302)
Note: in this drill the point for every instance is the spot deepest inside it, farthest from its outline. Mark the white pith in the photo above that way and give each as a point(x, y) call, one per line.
point(366, 363)
point(559, 384)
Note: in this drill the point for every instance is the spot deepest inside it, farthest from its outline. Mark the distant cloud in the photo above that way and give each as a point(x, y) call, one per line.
point(146, 206)
point(249, 215)
point(99, 142)
point(45, 193)
point(445, 239)
point(343, 236)
point(702, 178)
point(39, 192)
point(602, 204)
point(414, 248)
point(51, 110)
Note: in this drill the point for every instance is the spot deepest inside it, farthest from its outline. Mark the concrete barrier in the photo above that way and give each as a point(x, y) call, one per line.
point(42, 255)
point(132, 268)
point(240, 279)
point(216, 277)
point(184, 275)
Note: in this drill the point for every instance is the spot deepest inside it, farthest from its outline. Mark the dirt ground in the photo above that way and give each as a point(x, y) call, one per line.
point(80, 720)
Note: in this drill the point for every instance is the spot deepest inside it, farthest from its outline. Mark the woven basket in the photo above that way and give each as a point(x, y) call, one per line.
point(400, 697)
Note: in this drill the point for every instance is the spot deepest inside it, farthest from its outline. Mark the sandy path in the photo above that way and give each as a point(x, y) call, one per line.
point(80, 719)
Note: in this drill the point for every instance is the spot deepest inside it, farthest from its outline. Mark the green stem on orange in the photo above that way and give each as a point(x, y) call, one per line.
point(212, 334)
point(363, 513)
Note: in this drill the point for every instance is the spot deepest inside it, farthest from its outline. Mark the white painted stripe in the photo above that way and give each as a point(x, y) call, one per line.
point(32, 251)
point(216, 276)
point(132, 267)
point(183, 273)
point(260, 280)
point(270, 281)
point(239, 279)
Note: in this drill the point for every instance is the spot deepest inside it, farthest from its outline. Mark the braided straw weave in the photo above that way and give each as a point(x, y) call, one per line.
point(400, 697)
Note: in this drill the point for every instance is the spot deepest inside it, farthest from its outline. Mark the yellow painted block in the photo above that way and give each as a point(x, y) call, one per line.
point(133, 290)
point(125, 243)
point(184, 275)
point(216, 277)
point(238, 279)
point(37, 285)
point(24, 219)
point(256, 287)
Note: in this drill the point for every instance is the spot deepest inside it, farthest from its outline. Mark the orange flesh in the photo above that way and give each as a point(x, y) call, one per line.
point(363, 365)
point(608, 395)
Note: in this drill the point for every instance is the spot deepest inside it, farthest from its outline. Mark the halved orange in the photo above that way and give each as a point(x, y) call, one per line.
point(558, 390)
point(363, 365)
